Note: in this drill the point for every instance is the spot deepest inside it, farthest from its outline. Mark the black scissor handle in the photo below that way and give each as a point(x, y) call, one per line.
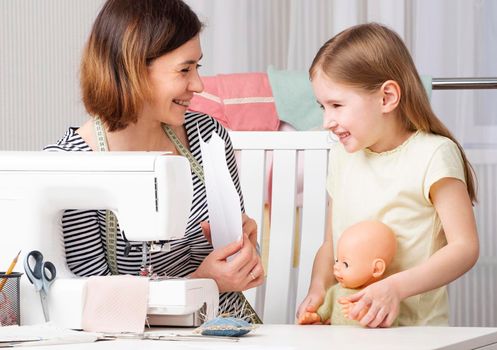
point(33, 271)
point(49, 267)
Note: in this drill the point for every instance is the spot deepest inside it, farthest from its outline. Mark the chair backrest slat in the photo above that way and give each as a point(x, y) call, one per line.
point(313, 215)
point(252, 162)
point(281, 236)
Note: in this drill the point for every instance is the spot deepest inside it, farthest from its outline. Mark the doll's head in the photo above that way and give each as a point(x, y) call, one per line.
point(364, 251)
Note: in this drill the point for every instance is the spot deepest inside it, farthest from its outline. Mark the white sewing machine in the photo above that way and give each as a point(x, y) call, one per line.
point(151, 195)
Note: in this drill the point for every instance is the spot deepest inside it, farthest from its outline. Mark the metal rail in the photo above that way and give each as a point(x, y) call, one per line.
point(463, 83)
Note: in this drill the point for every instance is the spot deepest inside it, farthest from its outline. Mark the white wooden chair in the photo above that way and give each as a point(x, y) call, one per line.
point(288, 276)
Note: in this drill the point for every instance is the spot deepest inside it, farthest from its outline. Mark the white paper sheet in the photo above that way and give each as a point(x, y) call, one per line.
point(42, 334)
point(222, 198)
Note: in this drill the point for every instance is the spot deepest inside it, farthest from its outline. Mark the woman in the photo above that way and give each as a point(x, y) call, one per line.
point(139, 72)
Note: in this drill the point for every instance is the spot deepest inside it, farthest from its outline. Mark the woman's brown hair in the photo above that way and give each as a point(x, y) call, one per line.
point(367, 55)
point(126, 37)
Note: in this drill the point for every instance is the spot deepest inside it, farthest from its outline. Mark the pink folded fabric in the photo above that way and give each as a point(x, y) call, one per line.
point(115, 304)
point(242, 101)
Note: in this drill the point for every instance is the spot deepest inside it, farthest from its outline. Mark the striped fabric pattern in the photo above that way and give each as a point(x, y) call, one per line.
point(84, 230)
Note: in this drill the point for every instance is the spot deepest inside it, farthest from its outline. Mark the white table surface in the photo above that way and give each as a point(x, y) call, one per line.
point(284, 337)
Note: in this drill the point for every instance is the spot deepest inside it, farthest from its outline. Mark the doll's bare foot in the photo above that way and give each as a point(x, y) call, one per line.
point(309, 318)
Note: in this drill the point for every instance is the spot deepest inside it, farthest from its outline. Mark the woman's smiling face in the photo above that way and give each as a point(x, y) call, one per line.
point(173, 78)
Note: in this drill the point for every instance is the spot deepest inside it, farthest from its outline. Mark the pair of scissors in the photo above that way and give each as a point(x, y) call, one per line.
point(41, 275)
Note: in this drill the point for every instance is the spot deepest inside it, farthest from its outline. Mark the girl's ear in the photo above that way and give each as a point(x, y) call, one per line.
point(391, 95)
point(379, 267)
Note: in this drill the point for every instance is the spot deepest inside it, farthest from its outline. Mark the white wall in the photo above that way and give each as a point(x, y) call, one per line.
point(40, 47)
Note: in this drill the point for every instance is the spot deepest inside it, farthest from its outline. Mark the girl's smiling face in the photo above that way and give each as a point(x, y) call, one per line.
point(353, 115)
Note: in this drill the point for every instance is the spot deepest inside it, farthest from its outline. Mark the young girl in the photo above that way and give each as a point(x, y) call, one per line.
point(397, 163)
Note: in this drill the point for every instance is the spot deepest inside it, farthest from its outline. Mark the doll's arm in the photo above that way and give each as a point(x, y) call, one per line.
point(309, 318)
point(323, 314)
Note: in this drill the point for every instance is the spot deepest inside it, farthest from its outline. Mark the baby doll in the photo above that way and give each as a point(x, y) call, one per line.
point(363, 253)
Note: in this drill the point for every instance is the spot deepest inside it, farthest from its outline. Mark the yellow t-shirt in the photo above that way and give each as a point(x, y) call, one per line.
point(393, 187)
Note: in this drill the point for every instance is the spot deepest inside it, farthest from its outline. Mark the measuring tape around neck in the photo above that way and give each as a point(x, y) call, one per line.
point(110, 217)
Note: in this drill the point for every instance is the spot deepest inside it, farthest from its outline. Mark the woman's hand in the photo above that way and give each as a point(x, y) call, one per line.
point(249, 227)
point(307, 311)
point(382, 302)
point(243, 271)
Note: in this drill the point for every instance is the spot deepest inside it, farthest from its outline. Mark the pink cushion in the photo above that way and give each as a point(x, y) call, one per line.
point(242, 101)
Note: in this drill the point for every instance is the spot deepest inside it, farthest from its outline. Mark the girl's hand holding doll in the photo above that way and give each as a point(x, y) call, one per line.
point(377, 305)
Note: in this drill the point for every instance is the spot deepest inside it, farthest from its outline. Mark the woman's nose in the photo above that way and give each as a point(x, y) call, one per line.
point(196, 84)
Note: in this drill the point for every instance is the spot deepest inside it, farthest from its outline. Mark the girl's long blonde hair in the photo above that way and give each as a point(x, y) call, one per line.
point(367, 55)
